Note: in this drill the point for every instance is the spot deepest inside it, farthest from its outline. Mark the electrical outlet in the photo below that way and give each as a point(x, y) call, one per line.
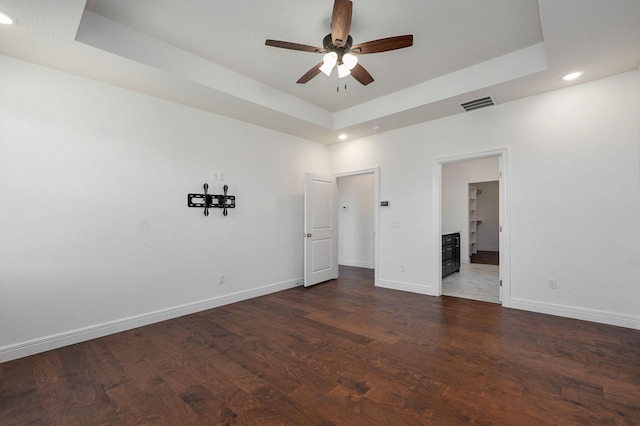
point(214, 175)
point(221, 279)
point(553, 283)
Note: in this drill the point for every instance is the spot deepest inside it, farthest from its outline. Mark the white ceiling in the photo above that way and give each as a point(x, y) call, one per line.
point(210, 54)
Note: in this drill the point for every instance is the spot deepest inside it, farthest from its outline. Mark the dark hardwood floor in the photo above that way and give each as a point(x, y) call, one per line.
point(344, 353)
point(486, 257)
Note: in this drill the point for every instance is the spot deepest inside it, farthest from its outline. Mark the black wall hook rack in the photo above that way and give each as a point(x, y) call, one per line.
point(205, 200)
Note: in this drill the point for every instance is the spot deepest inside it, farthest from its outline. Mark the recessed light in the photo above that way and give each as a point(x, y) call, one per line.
point(572, 76)
point(5, 19)
point(342, 137)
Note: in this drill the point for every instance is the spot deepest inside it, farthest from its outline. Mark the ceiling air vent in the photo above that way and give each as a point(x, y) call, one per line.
point(478, 103)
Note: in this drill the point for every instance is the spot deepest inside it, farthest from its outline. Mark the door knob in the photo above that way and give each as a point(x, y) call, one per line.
point(308, 235)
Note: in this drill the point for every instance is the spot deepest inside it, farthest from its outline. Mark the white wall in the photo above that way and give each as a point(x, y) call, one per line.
point(355, 215)
point(573, 186)
point(488, 213)
point(456, 178)
point(95, 232)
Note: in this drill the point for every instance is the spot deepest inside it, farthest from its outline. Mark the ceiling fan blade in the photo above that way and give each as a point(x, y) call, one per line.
point(341, 22)
point(362, 75)
point(383, 44)
point(310, 74)
point(294, 46)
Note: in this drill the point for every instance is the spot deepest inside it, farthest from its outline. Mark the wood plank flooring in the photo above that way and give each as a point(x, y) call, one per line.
point(343, 353)
point(486, 257)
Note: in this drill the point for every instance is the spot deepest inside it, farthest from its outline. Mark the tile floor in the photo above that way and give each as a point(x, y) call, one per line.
point(474, 281)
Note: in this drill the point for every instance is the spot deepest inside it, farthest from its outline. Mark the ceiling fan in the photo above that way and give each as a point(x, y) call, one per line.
point(339, 50)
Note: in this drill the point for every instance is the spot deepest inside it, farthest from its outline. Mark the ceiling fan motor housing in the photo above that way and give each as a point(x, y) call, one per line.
point(340, 50)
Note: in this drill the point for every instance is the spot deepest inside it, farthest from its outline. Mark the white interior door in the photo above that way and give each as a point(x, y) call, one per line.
point(320, 229)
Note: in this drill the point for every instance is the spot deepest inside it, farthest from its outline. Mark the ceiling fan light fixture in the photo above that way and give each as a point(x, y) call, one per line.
point(326, 69)
point(330, 59)
point(343, 71)
point(350, 60)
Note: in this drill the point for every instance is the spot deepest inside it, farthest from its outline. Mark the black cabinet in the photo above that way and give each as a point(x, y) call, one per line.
point(450, 253)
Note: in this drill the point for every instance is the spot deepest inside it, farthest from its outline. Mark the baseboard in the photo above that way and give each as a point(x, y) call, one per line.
point(409, 287)
point(356, 264)
point(603, 317)
point(56, 341)
point(495, 249)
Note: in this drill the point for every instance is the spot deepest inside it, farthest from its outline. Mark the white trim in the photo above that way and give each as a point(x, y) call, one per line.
point(437, 223)
point(505, 235)
point(505, 229)
point(426, 290)
point(60, 340)
point(376, 214)
point(356, 263)
point(566, 311)
point(488, 248)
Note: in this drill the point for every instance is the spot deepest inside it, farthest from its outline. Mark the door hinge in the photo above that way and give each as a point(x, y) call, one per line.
point(500, 283)
point(500, 228)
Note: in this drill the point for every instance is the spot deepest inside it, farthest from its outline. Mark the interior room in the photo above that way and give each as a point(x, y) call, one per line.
point(356, 219)
point(470, 212)
point(122, 302)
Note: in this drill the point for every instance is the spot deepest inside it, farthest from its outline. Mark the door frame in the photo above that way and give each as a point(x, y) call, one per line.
point(505, 217)
point(376, 203)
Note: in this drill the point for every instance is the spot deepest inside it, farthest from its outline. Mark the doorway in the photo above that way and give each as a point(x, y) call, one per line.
point(484, 222)
point(358, 218)
point(455, 205)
